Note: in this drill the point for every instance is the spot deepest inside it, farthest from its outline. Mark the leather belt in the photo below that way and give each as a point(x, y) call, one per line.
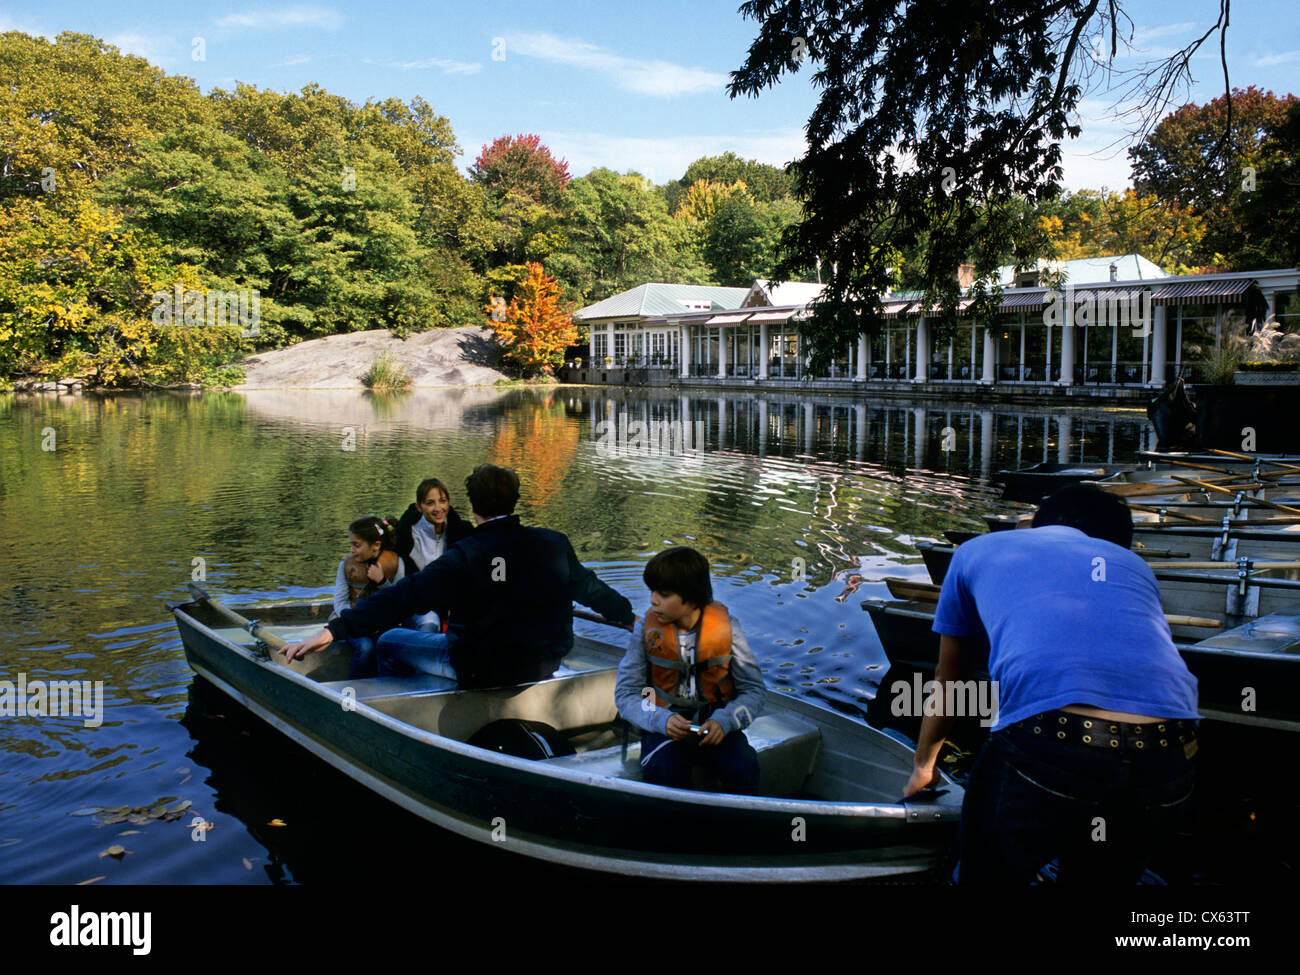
point(1066, 727)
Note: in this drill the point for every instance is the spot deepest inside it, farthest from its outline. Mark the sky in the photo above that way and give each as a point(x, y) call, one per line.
point(629, 86)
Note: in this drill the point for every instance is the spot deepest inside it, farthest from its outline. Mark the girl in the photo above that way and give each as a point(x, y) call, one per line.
point(371, 562)
point(424, 532)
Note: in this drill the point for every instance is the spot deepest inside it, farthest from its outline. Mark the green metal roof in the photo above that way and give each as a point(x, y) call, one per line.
point(650, 300)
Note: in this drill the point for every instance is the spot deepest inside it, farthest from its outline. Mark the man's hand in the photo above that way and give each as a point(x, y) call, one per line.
point(922, 778)
point(678, 727)
point(711, 733)
point(296, 651)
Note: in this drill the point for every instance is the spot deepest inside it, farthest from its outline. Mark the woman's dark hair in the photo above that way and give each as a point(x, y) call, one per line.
point(427, 485)
point(682, 571)
point(1091, 510)
point(375, 530)
point(492, 490)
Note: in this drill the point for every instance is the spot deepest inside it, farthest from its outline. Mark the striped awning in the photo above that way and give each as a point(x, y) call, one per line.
point(772, 316)
point(893, 309)
point(728, 319)
point(1197, 292)
point(962, 305)
point(1023, 301)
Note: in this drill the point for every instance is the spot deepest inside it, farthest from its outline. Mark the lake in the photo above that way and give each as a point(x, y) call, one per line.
point(109, 505)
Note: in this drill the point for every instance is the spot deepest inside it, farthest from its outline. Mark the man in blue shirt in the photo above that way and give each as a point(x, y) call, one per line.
point(1090, 756)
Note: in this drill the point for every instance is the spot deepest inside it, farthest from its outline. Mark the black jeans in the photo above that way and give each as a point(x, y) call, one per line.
point(733, 760)
point(1103, 812)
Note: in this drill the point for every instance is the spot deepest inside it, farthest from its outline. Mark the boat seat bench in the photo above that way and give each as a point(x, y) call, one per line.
point(787, 753)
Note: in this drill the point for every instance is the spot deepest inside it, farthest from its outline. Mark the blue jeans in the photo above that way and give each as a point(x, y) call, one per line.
point(1104, 813)
point(428, 622)
point(363, 657)
point(403, 653)
point(733, 760)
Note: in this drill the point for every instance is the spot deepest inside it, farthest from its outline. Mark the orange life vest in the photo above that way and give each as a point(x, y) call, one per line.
point(713, 683)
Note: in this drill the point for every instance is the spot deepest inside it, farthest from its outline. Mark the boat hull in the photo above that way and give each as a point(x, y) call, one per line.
point(582, 820)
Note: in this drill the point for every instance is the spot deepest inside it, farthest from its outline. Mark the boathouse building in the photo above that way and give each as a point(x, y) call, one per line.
point(1142, 327)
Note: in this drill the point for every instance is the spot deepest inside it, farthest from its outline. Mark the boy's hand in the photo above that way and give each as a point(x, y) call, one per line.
point(678, 727)
point(711, 733)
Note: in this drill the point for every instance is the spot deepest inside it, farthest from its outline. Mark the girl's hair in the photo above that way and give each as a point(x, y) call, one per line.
point(373, 530)
point(427, 485)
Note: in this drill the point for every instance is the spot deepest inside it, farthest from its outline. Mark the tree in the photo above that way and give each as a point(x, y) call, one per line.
point(933, 119)
point(535, 330)
point(1272, 215)
point(522, 164)
point(1206, 158)
point(765, 183)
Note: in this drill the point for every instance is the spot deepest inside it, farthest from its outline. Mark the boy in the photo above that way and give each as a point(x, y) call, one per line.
point(689, 680)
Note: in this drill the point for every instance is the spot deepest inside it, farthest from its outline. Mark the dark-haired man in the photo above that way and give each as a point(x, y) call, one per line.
point(508, 591)
point(1090, 758)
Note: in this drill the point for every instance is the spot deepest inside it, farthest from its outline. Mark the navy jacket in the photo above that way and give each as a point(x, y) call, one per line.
point(456, 529)
point(509, 591)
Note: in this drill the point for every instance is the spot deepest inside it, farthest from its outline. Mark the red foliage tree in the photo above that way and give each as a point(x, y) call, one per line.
point(521, 163)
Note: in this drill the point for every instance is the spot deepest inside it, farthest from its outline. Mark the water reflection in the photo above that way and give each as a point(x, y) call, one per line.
point(790, 496)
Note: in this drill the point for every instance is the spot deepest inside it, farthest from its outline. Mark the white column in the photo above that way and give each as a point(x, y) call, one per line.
point(1158, 345)
point(920, 438)
point(987, 376)
point(1067, 359)
point(722, 353)
point(922, 352)
point(860, 433)
point(764, 347)
point(591, 347)
point(1063, 438)
point(609, 343)
point(722, 422)
point(864, 350)
point(685, 369)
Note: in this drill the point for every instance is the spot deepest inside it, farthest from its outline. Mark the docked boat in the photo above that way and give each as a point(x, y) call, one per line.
point(1246, 675)
point(830, 806)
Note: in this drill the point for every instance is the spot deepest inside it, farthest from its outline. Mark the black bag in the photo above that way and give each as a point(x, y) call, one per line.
point(523, 739)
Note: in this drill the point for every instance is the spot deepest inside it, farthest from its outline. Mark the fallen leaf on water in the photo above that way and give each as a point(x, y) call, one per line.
point(128, 832)
point(276, 822)
point(183, 770)
point(9, 842)
point(248, 864)
point(116, 850)
point(85, 811)
point(137, 819)
point(186, 779)
point(92, 880)
point(115, 819)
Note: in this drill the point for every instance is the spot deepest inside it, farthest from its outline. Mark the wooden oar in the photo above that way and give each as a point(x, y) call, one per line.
point(928, 592)
point(252, 626)
point(1258, 460)
point(1172, 514)
point(1214, 487)
point(1254, 566)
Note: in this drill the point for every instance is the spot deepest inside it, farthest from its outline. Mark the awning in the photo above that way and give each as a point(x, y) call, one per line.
point(962, 305)
point(1023, 301)
point(892, 309)
point(772, 316)
point(728, 319)
point(1196, 292)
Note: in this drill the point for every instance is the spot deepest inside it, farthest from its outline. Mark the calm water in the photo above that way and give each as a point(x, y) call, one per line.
point(787, 496)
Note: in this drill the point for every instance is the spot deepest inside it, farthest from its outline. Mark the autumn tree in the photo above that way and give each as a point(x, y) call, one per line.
point(1206, 159)
point(535, 330)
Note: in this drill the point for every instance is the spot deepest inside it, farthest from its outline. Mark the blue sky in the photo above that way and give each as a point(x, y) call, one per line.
point(631, 86)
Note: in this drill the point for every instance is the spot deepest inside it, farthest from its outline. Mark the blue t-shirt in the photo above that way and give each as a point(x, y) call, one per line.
point(1069, 619)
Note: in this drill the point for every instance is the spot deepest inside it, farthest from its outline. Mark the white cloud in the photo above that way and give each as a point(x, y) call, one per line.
point(1270, 60)
point(1144, 34)
point(444, 65)
point(154, 48)
point(294, 59)
point(658, 79)
point(7, 24)
point(301, 16)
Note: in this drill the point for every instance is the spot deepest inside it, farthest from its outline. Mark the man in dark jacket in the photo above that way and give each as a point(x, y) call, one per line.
point(509, 590)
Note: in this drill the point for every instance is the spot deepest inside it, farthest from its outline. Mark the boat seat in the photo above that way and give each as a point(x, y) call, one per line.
point(367, 687)
point(787, 749)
